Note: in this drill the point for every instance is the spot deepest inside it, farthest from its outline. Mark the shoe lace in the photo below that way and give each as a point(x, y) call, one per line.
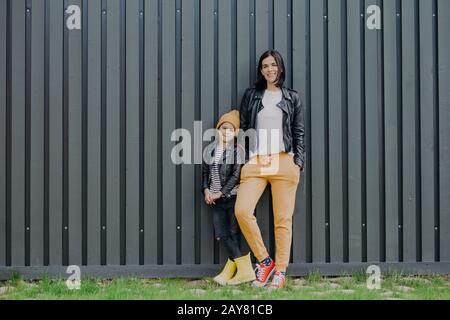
point(259, 270)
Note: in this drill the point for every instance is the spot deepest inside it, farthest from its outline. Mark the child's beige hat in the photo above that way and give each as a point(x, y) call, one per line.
point(231, 117)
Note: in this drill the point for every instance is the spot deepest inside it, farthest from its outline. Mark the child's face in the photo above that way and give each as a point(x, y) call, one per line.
point(226, 132)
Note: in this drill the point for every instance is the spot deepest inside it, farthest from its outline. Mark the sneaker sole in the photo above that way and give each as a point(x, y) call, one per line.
point(269, 288)
point(262, 285)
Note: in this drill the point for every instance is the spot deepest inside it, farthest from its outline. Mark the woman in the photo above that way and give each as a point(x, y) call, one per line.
point(277, 116)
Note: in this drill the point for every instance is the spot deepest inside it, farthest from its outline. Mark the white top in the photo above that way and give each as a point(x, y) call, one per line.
point(269, 125)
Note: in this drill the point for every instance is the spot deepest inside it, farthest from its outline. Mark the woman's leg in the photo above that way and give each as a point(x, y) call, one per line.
point(284, 187)
point(251, 187)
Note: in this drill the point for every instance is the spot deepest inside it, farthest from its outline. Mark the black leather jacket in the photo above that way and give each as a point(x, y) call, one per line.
point(229, 171)
point(293, 119)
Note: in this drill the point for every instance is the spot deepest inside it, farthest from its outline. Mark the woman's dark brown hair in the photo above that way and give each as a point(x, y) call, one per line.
point(261, 82)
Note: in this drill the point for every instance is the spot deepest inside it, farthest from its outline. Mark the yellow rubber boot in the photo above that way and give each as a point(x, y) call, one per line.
point(245, 272)
point(227, 273)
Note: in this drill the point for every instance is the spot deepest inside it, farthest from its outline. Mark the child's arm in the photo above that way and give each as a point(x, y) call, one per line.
point(205, 177)
point(236, 176)
point(205, 183)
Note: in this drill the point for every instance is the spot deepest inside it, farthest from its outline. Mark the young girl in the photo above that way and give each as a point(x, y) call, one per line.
point(221, 175)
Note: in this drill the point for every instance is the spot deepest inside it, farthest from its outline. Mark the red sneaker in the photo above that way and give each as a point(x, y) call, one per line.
point(278, 281)
point(263, 274)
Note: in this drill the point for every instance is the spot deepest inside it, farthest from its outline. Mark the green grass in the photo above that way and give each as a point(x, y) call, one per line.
point(314, 286)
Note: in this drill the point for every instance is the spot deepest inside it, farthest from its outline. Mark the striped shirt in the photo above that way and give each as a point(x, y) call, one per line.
point(216, 186)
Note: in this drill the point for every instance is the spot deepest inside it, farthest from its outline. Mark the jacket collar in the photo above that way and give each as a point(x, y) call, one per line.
point(259, 93)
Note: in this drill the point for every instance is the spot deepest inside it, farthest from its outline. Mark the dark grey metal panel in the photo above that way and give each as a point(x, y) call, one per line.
point(444, 129)
point(373, 107)
point(392, 118)
point(151, 187)
point(74, 143)
point(410, 127)
point(263, 27)
point(55, 130)
point(188, 116)
point(318, 131)
point(355, 183)
point(18, 133)
point(113, 133)
point(281, 29)
point(243, 46)
point(225, 68)
point(427, 116)
point(169, 124)
point(37, 134)
point(132, 132)
point(3, 79)
point(207, 115)
point(301, 232)
point(335, 130)
point(94, 85)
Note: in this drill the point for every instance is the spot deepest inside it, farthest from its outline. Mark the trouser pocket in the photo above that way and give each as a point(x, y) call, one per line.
point(295, 169)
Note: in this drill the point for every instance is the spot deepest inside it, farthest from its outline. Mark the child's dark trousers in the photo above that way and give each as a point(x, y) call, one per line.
point(226, 227)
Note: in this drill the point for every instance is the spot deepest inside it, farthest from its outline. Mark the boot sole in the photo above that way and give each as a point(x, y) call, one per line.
point(241, 281)
point(222, 283)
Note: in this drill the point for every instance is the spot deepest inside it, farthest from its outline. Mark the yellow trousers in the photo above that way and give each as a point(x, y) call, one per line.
point(284, 175)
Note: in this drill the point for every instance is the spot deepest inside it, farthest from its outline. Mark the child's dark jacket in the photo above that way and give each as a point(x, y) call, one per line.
point(229, 169)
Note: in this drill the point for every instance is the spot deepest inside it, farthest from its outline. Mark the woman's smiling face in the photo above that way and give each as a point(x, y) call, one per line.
point(269, 69)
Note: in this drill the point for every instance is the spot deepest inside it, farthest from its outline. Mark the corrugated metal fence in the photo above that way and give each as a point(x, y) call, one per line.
point(86, 117)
